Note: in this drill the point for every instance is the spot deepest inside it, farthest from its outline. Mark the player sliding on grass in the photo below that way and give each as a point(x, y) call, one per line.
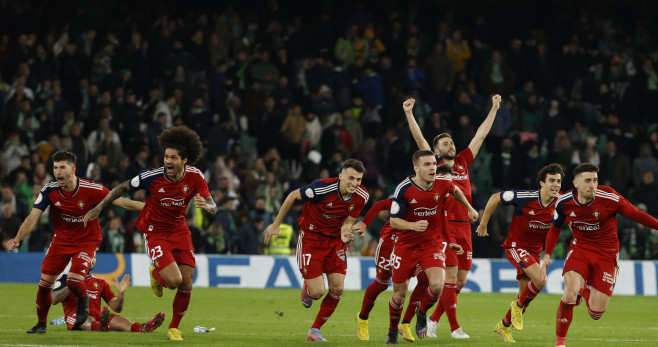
point(101, 319)
point(70, 198)
point(533, 213)
point(457, 265)
point(167, 238)
point(417, 211)
point(590, 269)
point(326, 227)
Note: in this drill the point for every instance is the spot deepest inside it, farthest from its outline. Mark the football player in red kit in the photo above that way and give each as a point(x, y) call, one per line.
point(70, 198)
point(533, 214)
point(417, 211)
point(590, 269)
point(326, 226)
point(167, 238)
point(457, 265)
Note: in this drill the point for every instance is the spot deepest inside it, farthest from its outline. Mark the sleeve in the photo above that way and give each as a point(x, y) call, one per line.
point(508, 197)
point(375, 209)
point(138, 182)
point(398, 204)
point(356, 212)
point(202, 186)
point(467, 156)
point(107, 293)
point(315, 191)
point(100, 195)
point(554, 233)
point(43, 199)
point(626, 209)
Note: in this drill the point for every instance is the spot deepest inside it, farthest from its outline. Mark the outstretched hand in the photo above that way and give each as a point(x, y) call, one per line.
point(91, 215)
point(495, 101)
point(408, 105)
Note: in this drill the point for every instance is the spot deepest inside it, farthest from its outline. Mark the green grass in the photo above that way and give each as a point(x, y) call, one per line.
point(275, 317)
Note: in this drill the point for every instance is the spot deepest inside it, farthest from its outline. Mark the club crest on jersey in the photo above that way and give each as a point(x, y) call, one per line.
point(436, 197)
point(186, 189)
point(351, 207)
point(81, 204)
point(459, 167)
point(596, 214)
point(96, 285)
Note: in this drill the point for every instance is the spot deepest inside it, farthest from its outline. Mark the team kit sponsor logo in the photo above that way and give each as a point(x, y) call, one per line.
point(425, 212)
point(583, 226)
point(535, 224)
point(72, 219)
point(166, 202)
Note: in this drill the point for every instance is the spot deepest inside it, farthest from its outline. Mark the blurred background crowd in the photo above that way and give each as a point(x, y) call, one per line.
point(282, 95)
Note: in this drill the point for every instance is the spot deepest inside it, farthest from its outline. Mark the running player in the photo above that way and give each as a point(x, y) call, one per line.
point(457, 265)
point(590, 269)
point(533, 213)
point(70, 198)
point(101, 319)
point(167, 238)
point(417, 212)
point(326, 226)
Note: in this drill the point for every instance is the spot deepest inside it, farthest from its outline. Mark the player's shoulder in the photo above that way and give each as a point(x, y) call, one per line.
point(564, 198)
point(194, 171)
point(152, 172)
point(606, 192)
point(50, 186)
point(363, 193)
point(87, 184)
point(402, 187)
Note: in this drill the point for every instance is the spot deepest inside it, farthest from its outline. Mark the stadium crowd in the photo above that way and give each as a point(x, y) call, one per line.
point(282, 96)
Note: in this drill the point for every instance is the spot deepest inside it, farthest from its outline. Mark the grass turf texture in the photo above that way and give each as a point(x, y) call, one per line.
point(275, 317)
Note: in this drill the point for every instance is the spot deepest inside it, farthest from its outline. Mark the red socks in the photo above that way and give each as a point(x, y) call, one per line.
point(394, 310)
point(327, 308)
point(416, 296)
point(44, 300)
point(77, 287)
point(181, 302)
point(372, 292)
point(564, 316)
point(158, 278)
point(447, 304)
point(136, 327)
point(429, 299)
point(529, 292)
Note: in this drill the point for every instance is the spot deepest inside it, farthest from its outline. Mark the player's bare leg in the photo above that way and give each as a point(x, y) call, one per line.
point(171, 274)
point(336, 282)
point(573, 282)
point(183, 294)
point(44, 300)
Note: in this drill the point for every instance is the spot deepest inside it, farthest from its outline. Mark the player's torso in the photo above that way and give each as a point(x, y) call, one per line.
point(462, 179)
point(95, 287)
point(594, 226)
point(530, 225)
point(424, 205)
point(327, 216)
point(68, 210)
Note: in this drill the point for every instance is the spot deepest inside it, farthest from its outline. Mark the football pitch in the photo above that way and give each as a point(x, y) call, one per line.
point(275, 317)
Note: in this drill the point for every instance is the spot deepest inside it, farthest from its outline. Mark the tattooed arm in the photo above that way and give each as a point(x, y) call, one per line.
point(114, 194)
point(207, 204)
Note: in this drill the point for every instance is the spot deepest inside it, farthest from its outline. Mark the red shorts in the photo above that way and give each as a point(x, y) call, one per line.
point(164, 249)
point(461, 231)
point(521, 259)
point(319, 254)
point(58, 256)
point(598, 271)
point(383, 258)
point(405, 261)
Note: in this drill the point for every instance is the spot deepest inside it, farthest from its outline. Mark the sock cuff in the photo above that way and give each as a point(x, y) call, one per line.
point(568, 303)
point(450, 286)
point(431, 293)
point(188, 292)
point(395, 305)
point(533, 288)
point(45, 284)
point(596, 315)
point(335, 295)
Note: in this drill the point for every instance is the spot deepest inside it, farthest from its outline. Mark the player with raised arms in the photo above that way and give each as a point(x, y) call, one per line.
point(533, 215)
point(167, 238)
point(457, 265)
point(417, 211)
point(590, 269)
point(73, 240)
point(331, 206)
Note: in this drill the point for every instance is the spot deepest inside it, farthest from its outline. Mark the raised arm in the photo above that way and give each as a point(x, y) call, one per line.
point(484, 128)
point(488, 211)
point(273, 229)
point(408, 107)
point(114, 194)
point(459, 196)
point(117, 302)
point(26, 228)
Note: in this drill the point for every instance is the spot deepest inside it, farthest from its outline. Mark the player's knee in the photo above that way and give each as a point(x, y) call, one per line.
point(460, 284)
point(316, 293)
point(570, 295)
point(436, 287)
point(173, 283)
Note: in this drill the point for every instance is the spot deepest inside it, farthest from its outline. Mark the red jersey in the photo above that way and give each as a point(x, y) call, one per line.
point(69, 208)
point(412, 203)
point(166, 200)
point(387, 229)
point(530, 222)
point(325, 209)
point(462, 179)
point(96, 289)
point(594, 225)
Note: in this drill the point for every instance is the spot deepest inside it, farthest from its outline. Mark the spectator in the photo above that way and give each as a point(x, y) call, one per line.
point(644, 163)
point(18, 207)
point(247, 242)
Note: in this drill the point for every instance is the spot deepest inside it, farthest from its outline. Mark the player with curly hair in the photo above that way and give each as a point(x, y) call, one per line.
point(167, 238)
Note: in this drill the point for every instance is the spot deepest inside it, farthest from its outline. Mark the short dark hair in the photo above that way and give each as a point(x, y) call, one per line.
point(420, 153)
point(444, 169)
point(184, 140)
point(63, 155)
point(438, 138)
point(585, 167)
point(550, 169)
point(357, 165)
